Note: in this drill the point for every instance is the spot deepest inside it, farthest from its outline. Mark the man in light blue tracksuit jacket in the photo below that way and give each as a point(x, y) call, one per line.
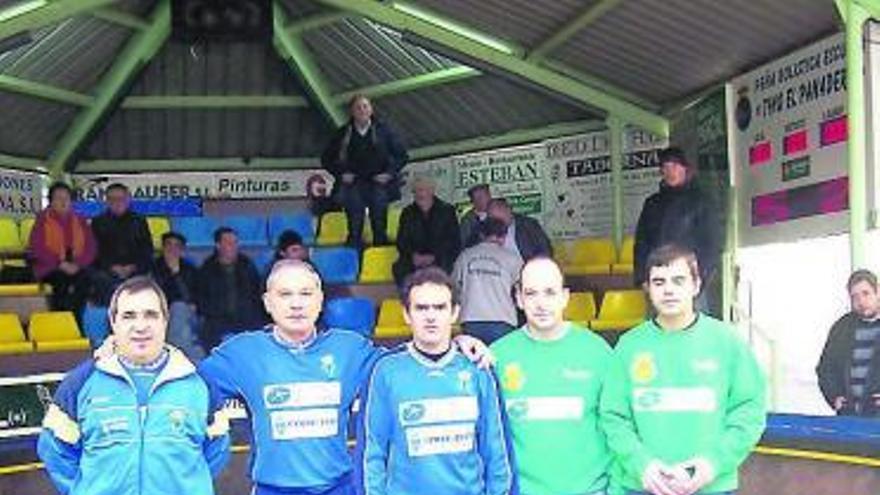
point(140, 422)
point(433, 422)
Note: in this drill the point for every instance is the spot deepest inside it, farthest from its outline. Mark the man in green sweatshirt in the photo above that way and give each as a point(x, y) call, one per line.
point(551, 372)
point(684, 400)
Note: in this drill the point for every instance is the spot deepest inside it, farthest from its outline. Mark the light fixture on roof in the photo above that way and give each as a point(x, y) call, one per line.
point(20, 9)
point(441, 22)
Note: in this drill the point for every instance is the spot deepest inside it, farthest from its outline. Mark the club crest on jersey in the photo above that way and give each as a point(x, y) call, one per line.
point(328, 364)
point(513, 378)
point(643, 368)
point(177, 418)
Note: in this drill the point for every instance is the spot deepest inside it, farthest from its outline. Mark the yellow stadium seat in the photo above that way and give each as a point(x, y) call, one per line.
point(12, 339)
point(56, 331)
point(158, 226)
point(25, 226)
point(581, 308)
point(624, 265)
point(377, 263)
point(590, 257)
point(620, 310)
point(393, 222)
point(10, 239)
point(25, 290)
point(560, 252)
point(333, 229)
point(391, 324)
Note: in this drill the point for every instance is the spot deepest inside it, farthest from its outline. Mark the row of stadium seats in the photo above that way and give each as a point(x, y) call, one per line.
point(594, 256)
point(46, 332)
point(256, 230)
point(620, 310)
point(58, 331)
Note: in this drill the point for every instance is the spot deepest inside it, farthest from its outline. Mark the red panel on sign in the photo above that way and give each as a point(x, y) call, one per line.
point(760, 153)
point(833, 131)
point(795, 142)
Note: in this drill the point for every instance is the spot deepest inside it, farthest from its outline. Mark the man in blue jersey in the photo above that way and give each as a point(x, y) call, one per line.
point(139, 421)
point(432, 420)
point(299, 385)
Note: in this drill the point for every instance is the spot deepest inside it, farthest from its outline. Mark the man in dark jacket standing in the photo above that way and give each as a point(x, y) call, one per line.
point(365, 157)
point(525, 237)
point(229, 291)
point(428, 233)
point(125, 247)
point(178, 279)
point(849, 369)
point(679, 213)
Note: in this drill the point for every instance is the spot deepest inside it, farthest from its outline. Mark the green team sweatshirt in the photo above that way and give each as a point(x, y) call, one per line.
point(674, 395)
point(551, 391)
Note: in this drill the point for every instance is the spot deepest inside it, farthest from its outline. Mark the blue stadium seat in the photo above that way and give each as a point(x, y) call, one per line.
point(95, 324)
point(351, 313)
point(199, 231)
point(302, 222)
point(337, 265)
point(251, 229)
point(263, 261)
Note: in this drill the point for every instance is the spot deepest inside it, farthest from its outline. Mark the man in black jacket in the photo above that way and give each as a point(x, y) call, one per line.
point(679, 213)
point(525, 237)
point(178, 279)
point(229, 291)
point(125, 247)
point(365, 157)
point(428, 233)
point(849, 369)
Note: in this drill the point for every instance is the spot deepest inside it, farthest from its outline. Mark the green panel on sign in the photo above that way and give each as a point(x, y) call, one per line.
point(796, 169)
point(527, 204)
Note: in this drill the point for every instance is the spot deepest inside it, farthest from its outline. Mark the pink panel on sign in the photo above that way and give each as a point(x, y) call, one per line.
point(835, 195)
point(833, 131)
point(795, 142)
point(769, 208)
point(760, 153)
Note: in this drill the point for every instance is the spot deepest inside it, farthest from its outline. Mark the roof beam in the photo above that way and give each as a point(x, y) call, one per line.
point(211, 102)
point(293, 50)
point(442, 76)
point(36, 14)
point(121, 18)
point(22, 163)
point(565, 32)
point(135, 55)
point(310, 23)
point(516, 137)
point(44, 91)
point(529, 71)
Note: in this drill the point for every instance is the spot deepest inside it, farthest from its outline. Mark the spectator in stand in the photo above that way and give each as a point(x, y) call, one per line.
point(291, 247)
point(125, 247)
point(485, 275)
point(365, 157)
point(63, 247)
point(178, 279)
point(229, 291)
point(480, 198)
point(428, 233)
point(525, 237)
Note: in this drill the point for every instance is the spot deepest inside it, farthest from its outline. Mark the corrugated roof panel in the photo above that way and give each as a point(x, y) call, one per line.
point(179, 133)
point(31, 127)
point(356, 53)
point(524, 22)
point(485, 105)
point(241, 68)
point(72, 55)
point(667, 49)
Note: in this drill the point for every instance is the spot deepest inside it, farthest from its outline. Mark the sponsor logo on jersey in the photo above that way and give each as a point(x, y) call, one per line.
point(643, 368)
point(440, 439)
point(413, 412)
point(304, 423)
point(551, 408)
point(708, 365)
point(576, 374)
point(513, 378)
point(278, 395)
point(302, 394)
point(674, 399)
point(447, 409)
